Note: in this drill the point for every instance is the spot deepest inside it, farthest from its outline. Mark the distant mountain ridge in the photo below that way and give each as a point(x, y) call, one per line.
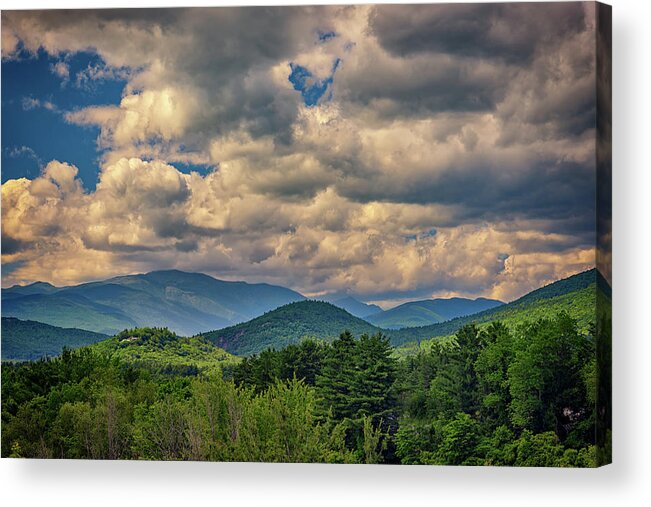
point(354, 306)
point(192, 301)
point(430, 311)
point(186, 303)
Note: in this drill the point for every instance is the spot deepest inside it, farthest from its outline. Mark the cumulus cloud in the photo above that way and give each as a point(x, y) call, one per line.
point(144, 215)
point(452, 151)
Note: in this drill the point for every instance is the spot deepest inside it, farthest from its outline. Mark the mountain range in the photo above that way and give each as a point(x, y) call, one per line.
point(192, 303)
point(186, 303)
point(353, 306)
point(289, 324)
point(249, 317)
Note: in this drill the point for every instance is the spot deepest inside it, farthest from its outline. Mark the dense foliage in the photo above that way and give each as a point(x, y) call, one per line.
point(579, 304)
point(26, 340)
point(497, 395)
point(158, 349)
point(288, 325)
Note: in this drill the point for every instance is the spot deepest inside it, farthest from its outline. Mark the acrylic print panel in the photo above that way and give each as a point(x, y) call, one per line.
point(340, 234)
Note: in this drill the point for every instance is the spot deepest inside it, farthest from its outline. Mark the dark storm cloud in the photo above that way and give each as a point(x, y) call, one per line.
point(511, 32)
point(547, 189)
point(437, 84)
point(11, 245)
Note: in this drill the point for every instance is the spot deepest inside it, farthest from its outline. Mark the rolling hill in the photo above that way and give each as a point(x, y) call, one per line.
point(26, 340)
point(161, 350)
point(186, 303)
point(288, 324)
point(576, 295)
point(430, 311)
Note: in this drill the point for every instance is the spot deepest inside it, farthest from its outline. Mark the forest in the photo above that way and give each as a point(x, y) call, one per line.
point(526, 395)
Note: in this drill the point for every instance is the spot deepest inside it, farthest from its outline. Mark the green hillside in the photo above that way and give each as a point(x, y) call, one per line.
point(186, 303)
point(287, 325)
point(26, 340)
point(290, 323)
point(579, 303)
point(66, 310)
point(430, 311)
point(163, 351)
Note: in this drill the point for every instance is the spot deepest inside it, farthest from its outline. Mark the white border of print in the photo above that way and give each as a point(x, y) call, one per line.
point(626, 482)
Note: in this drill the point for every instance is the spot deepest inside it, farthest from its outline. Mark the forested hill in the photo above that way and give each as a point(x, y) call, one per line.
point(26, 340)
point(160, 350)
point(576, 295)
point(430, 311)
point(287, 325)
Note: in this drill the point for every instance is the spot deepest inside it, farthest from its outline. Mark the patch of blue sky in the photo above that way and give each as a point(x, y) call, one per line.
point(311, 89)
point(423, 235)
point(34, 102)
point(202, 169)
point(325, 36)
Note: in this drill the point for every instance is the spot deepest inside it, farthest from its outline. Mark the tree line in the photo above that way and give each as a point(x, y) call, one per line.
point(491, 396)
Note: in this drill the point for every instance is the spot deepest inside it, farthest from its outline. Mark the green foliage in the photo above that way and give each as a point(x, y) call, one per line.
point(97, 407)
point(460, 439)
point(357, 377)
point(524, 393)
point(545, 376)
point(160, 350)
point(498, 396)
point(575, 295)
point(26, 340)
point(288, 325)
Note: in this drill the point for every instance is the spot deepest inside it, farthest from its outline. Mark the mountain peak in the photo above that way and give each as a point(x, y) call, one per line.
point(289, 324)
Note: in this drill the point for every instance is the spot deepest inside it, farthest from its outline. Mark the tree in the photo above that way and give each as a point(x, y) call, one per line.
point(492, 366)
point(335, 381)
point(460, 439)
point(545, 376)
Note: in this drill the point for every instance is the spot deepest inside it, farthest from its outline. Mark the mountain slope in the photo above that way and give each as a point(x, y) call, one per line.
point(430, 311)
point(67, 310)
point(355, 307)
point(288, 324)
point(25, 340)
point(576, 295)
point(187, 303)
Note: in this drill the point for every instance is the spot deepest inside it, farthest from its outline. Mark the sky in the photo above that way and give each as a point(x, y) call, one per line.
point(387, 152)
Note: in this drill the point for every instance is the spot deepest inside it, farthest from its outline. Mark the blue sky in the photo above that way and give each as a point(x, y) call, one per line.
point(34, 102)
